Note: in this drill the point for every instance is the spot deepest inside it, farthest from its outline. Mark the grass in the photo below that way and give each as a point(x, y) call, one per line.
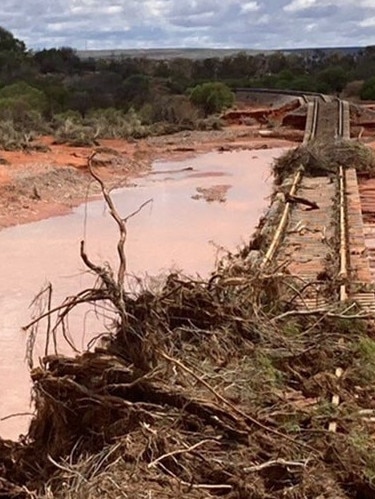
point(366, 359)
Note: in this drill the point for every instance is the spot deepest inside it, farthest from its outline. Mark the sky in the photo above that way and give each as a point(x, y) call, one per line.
point(258, 24)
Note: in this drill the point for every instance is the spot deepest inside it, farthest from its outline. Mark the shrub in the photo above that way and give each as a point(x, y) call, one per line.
point(353, 89)
point(175, 109)
point(12, 139)
point(113, 123)
point(23, 94)
point(212, 97)
point(75, 134)
point(73, 116)
point(368, 89)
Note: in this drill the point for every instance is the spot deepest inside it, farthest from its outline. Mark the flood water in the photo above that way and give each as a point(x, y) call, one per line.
point(178, 229)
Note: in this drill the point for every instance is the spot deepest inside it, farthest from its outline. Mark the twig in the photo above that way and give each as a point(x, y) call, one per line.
point(48, 332)
point(138, 210)
point(324, 311)
point(233, 407)
point(66, 469)
point(276, 462)
point(179, 451)
point(18, 414)
point(201, 486)
point(75, 300)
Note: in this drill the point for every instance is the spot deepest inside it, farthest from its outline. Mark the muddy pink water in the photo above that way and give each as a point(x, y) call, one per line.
point(179, 229)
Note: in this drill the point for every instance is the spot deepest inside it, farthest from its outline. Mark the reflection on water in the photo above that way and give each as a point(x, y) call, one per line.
point(174, 231)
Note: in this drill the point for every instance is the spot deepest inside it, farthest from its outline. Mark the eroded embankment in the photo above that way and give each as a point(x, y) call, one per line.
point(206, 388)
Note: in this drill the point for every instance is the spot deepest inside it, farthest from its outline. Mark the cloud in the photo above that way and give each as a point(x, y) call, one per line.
point(258, 24)
point(298, 5)
point(250, 7)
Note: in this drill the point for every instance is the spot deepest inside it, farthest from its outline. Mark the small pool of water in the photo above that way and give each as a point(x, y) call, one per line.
point(198, 205)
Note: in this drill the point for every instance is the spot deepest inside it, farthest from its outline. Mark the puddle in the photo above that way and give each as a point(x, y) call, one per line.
point(178, 230)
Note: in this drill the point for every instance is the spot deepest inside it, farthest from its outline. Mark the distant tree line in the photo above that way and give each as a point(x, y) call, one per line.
point(55, 89)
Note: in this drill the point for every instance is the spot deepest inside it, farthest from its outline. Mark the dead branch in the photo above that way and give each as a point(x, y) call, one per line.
point(233, 407)
point(115, 215)
point(276, 462)
point(299, 200)
point(322, 311)
point(180, 451)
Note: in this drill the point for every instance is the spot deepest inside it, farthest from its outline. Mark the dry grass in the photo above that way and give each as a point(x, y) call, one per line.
point(322, 158)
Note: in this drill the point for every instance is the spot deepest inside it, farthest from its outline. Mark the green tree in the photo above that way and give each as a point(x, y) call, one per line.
point(15, 62)
point(9, 43)
point(368, 89)
point(21, 93)
point(135, 90)
point(62, 60)
point(332, 79)
point(212, 97)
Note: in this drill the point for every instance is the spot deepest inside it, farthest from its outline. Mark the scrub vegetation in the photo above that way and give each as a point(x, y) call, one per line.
point(135, 97)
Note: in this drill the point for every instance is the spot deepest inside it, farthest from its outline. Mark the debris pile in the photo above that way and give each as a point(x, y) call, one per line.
point(216, 388)
point(322, 158)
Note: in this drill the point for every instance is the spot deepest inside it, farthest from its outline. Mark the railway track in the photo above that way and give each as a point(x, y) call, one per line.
point(327, 120)
point(314, 242)
point(304, 238)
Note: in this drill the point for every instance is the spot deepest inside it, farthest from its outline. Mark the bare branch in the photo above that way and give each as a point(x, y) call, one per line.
point(115, 215)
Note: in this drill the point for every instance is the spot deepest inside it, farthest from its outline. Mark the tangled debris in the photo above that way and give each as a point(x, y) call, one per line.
point(215, 388)
point(324, 157)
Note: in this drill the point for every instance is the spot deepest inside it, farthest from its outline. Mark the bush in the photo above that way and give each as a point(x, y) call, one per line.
point(60, 118)
point(75, 134)
point(212, 97)
point(23, 94)
point(368, 89)
point(23, 119)
point(113, 123)
point(12, 139)
point(353, 89)
point(175, 109)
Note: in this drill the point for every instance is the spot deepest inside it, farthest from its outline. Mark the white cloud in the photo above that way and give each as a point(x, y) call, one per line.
point(369, 22)
point(250, 7)
point(297, 5)
point(177, 23)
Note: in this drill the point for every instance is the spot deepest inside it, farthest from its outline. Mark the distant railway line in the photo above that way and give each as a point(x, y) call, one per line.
point(305, 96)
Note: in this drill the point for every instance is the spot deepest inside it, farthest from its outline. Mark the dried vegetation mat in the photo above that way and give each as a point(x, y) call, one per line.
point(218, 388)
point(321, 158)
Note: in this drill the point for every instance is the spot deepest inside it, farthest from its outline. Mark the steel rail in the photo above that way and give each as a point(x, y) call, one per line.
point(282, 224)
point(343, 273)
point(341, 117)
point(314, 125)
